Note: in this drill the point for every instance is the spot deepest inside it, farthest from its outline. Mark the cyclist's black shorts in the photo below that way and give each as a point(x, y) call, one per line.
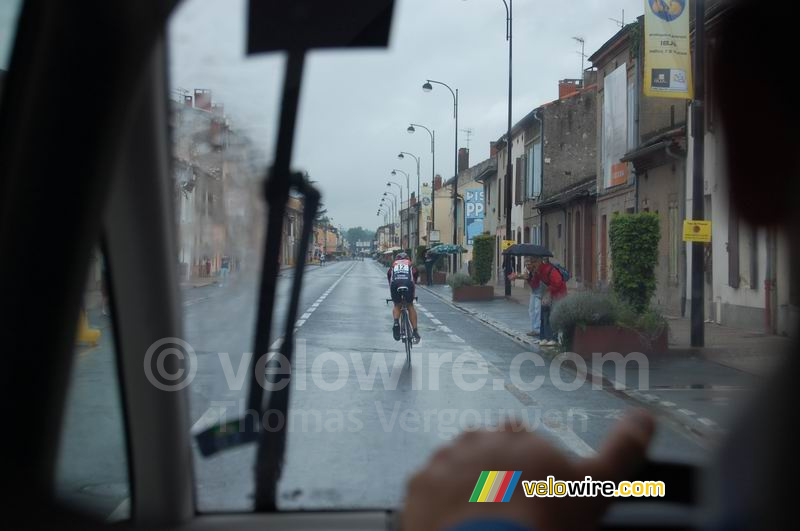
point(409, 294)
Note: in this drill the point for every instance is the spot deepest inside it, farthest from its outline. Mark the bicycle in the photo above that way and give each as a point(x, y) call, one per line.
point(406, 331)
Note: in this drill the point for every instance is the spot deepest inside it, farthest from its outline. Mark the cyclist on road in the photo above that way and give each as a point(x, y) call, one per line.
point(403, 274)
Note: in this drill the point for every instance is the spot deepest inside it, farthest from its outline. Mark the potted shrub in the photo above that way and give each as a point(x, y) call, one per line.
point(465, 289)
point(483, 256)
point(600, 322)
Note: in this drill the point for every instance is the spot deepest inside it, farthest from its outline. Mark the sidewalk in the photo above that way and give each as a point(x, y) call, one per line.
point(698, 389)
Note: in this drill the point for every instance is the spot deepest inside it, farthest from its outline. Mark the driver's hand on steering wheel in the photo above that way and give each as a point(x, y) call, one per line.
point(437, 496)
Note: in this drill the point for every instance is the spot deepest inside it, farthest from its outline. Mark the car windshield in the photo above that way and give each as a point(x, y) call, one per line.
point(544, 200)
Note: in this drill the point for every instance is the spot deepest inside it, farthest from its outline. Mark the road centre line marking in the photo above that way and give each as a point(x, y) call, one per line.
point(686, 412)
point(434, 320)
point(445, 330)
point(667, 404)
point(300, 322)
point(456, 338)
point(707, 422)
point(307, 314)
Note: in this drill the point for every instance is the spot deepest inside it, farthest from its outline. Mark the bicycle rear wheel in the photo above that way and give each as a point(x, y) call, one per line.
point(408, 333)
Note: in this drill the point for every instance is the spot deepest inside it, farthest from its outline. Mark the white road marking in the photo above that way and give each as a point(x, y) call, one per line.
point(307, 314)
point(667, 404)
point(445, 330)
point(686, 412)
point(650, 397)
point(707, 422)
point(300, 322)
point(434, 320)
point(456, 338)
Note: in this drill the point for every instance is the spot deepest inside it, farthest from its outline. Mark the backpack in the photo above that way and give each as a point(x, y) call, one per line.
point(562, 271)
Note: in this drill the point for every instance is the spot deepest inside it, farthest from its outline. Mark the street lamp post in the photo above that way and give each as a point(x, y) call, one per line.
point(507, 189)
point(400, 212)
point(394, 197)
point(401, 156)
point(416, 158)
point(427, 88)
point(432, 134)
point(408, 206)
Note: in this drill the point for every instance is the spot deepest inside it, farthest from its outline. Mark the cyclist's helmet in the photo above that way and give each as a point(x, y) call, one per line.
point(401, 256)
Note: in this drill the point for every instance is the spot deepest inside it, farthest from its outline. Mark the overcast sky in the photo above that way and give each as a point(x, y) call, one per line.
point(356, 105)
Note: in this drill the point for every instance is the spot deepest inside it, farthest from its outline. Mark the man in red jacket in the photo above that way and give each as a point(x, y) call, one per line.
point(554, 289)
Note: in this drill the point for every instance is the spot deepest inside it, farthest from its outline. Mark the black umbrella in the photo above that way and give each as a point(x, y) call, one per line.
point(527, 249)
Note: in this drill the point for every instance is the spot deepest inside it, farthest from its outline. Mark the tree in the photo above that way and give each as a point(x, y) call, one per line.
point(356, 234)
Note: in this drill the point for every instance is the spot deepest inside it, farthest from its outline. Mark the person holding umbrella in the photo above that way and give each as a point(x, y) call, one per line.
point(535, 306)
point(540, 271)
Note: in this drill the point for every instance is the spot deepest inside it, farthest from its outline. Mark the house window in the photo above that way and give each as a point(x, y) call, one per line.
point(533, 170)
point(558, 231)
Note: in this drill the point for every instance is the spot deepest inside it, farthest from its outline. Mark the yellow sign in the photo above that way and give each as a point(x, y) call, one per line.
point(696, 231)
point(667, 56)
point(505, 244)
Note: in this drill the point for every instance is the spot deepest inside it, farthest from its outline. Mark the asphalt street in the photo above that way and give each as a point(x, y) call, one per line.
point(360, 420)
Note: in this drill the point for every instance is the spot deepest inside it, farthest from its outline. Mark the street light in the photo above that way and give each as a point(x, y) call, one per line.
point(408, 206)
point(400, 212)
point(395, 211)
point(432, 134)
point(509, 11)
point(401, 156)
point(427, 87)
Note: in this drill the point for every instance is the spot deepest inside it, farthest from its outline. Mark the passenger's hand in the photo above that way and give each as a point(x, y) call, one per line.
point(437, 496)
point(512, 276)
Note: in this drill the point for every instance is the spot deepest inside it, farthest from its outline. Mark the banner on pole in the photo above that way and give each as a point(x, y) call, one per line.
point(667, 53)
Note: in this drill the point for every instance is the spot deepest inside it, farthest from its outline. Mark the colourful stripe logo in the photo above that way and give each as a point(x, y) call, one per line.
point(494, 486)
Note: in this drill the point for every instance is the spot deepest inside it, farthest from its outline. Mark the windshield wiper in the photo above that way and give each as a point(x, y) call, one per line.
point(272, 27)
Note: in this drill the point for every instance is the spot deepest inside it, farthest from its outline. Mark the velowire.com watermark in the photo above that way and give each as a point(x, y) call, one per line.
point(171, 364)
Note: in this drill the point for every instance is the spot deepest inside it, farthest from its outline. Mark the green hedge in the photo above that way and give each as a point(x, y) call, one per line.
point(482, 258)
point(634, 255)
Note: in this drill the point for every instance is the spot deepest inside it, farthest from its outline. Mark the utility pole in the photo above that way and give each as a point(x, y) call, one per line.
point(698, 134)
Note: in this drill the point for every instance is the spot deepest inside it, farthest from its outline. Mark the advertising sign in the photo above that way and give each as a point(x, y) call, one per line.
point(474, 209)
point(667, 56)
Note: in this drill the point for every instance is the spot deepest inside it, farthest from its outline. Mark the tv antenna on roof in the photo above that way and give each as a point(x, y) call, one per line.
point(468, 131)
point(582, 41)
point(620, 23)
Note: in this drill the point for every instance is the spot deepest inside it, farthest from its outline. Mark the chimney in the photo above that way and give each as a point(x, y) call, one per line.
point(493, 150)
point(568, 86)
point(463, 159)
point(202, 99)
point(437, 182)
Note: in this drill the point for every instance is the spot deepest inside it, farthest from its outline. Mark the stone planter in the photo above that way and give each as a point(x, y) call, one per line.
point(604, 339)
point(473, 293)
